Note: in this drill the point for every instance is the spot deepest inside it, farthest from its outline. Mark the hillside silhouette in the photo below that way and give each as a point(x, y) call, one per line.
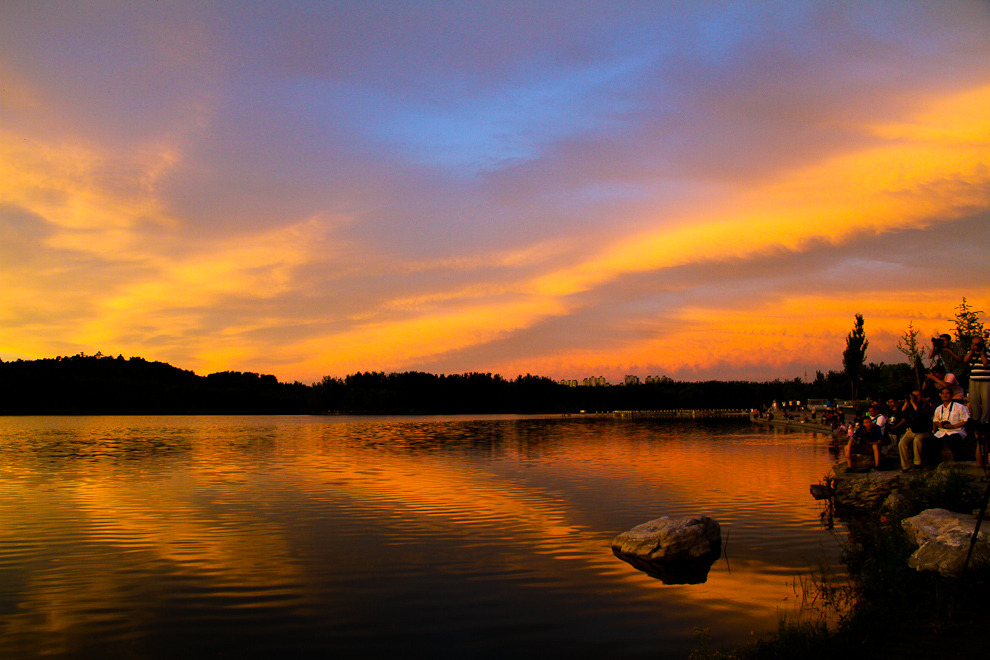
point(99, 384)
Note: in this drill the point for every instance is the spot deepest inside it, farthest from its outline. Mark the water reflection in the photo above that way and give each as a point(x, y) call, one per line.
point(694, 571)
point(222, 535)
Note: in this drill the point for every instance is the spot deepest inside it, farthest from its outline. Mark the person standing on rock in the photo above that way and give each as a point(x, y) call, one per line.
point(917, 415)
point(943, 353)
point(979, 381)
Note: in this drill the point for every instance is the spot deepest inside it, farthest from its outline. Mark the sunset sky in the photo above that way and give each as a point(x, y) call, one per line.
point(570, 189)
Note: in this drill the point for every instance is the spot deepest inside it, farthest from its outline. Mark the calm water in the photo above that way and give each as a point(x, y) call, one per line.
point(225, 536)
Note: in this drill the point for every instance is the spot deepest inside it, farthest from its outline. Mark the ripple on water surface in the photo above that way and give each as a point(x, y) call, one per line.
point(249, 536)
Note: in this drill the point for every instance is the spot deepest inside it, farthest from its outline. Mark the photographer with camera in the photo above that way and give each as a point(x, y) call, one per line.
point(943, 352)
point(979, 380)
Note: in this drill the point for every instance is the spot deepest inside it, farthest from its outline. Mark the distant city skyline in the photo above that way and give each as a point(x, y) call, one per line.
point(699, 190)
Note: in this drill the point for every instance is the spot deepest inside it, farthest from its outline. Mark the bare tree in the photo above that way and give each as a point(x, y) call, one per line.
point(908, 344)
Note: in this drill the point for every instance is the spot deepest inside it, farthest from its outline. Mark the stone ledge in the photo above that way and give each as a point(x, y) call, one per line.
point(867, 491)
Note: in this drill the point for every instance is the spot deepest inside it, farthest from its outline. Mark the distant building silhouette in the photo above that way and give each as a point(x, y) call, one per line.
point(631, 380)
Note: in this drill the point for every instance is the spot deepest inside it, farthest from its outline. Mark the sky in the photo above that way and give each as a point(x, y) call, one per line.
point(702, 190)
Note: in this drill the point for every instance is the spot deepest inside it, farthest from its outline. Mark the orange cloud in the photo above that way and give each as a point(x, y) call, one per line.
point(925, 174)
point(924, 171)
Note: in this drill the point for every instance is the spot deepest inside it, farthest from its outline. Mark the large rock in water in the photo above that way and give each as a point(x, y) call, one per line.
point(671, 539)
point(674, 550)
point(943, 539)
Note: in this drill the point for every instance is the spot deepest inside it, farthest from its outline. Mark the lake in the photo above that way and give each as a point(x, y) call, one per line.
point(324, 536)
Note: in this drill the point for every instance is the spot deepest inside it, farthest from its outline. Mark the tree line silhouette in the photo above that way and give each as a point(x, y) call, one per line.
point(99, 384)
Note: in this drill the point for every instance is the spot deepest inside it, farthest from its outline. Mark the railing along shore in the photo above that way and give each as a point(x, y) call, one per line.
point(682, 413)
point(796, 424)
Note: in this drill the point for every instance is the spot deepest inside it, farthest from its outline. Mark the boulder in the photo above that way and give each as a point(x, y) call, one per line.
point(943, 539)
point(671, 539)
point(675, 550)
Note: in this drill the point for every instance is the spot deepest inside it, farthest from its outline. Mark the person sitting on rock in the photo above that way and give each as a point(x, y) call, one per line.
point(895, 425)
point(917, 416)
point(878, 418)
point(948, 424)
point(867, 437)
point(896, 421)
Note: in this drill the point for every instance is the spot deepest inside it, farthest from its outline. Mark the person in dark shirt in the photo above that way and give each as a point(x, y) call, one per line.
point(867, 436)
point(946, 353)
point(896, 423)
point(917, 413)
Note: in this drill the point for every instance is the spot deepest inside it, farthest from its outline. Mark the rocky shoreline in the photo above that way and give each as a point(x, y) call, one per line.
point(942, 537)
point(867, 491)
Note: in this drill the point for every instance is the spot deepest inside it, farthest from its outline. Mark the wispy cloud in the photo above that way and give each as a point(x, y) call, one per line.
point(517, 187)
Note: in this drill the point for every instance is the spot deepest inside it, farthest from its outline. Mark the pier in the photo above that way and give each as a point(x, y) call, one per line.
point(707, 413)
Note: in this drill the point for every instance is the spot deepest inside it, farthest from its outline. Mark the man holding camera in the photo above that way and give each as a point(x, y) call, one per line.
point(942, 352)
point(917, 414)
point(948, 424)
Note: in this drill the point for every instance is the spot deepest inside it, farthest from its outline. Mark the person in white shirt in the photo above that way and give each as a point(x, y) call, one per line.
point(878, 418)
point(949, 422)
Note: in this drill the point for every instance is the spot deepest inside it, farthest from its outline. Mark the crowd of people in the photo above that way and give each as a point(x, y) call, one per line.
point(945, 419)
